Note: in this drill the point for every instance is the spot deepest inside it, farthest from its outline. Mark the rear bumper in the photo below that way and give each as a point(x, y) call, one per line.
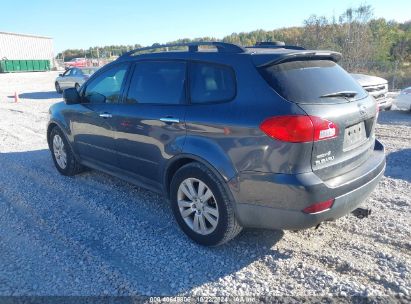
point(276, 201)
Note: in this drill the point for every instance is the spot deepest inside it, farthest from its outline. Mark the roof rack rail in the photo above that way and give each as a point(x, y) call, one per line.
point(276, 45)
point(222, 47)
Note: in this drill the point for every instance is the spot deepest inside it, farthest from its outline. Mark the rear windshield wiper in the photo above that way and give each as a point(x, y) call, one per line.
point(345, 94)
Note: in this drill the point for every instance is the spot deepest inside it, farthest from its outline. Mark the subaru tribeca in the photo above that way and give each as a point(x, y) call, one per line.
point(266, 137)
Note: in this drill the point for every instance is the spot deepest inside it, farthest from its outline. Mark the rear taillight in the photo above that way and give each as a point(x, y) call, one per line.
point(323, 128)
point(299, 128)
point(319, 207)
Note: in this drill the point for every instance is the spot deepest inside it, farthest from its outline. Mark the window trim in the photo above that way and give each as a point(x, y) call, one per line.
point(131, 74)
point(191, 62)
point(103, 70)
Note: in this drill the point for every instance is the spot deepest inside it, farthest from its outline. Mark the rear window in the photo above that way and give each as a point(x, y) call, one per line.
point(88, 71)
point(211, 83)
point(305, 81)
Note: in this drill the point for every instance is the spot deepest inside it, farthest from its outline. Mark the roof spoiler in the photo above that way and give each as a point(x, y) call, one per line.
point(266, 60)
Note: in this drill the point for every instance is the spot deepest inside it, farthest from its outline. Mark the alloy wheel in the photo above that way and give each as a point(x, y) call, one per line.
point(59, 151)
point(198, 206)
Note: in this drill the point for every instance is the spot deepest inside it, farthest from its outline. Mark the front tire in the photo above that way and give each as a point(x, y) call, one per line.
point(202, 207)
point(62, 154)
point(58, 88)
point(77, 86)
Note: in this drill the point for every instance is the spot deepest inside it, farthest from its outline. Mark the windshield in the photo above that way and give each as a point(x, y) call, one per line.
point(312, 81)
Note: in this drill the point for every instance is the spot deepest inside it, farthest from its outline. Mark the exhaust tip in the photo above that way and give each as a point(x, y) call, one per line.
point(361, 213)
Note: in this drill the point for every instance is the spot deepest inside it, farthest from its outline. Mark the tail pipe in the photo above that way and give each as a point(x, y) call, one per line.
point(361, 213)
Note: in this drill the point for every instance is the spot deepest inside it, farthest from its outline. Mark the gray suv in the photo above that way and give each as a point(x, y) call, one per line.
point(270, 136)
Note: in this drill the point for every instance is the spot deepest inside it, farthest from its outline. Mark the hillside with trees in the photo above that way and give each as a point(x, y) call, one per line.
point(373, 46)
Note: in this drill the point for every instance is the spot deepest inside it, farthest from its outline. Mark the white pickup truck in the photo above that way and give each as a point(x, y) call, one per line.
point(376, 87)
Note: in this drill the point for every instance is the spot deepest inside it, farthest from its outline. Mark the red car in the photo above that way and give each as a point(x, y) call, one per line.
point(76, 62)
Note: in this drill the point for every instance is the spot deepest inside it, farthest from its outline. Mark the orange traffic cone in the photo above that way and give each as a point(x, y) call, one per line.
point(16, 97)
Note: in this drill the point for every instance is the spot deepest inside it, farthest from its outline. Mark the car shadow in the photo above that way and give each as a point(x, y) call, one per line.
point(395, 117)
point(39, 95)
point(101, 222)
point(399, 165)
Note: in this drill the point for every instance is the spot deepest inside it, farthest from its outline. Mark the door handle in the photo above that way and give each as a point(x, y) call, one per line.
point(170, 120)
point(106, 115)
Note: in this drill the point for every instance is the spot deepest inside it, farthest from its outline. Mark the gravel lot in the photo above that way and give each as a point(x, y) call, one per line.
point(97, 235)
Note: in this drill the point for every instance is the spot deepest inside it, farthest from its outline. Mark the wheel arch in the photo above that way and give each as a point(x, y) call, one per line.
point(50, 127)
point(179, 161)
point(55, 124)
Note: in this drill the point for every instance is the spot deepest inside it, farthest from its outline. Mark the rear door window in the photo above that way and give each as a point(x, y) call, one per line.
point(211, 83)
point(158, 82)
point(87, 71)
point(309, 81)
point(75, 72)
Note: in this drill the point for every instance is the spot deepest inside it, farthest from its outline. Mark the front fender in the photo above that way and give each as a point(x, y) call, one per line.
point(57, 118)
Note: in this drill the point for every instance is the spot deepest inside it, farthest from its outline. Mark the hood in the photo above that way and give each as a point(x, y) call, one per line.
point(367, 80)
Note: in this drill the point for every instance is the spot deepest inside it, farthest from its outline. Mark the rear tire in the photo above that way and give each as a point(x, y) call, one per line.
point(62, 154)
point(216, 222)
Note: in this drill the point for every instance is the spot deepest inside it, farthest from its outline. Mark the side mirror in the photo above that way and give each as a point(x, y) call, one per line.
point(71, 96)
point(60, 75)
point(97, 98)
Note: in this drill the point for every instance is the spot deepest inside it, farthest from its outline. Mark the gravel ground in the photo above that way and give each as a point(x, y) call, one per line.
point(98, 235)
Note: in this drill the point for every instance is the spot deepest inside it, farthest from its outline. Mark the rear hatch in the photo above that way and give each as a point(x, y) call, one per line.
point(329, 95)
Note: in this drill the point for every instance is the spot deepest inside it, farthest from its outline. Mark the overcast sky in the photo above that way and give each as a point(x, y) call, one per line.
point(81, 24)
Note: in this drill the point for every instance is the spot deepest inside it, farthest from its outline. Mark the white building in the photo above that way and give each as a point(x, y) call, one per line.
point(25, 47)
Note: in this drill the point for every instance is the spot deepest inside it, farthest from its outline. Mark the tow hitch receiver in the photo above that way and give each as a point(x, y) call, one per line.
point(361, 213)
